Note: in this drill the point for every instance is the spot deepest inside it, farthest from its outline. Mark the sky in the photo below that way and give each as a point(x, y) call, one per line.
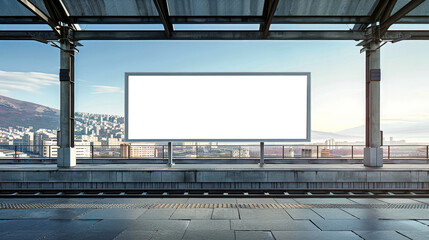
point(29, 70)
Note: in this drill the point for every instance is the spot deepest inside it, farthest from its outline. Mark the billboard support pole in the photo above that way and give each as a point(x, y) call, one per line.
point(262, 153)
point(170, 154)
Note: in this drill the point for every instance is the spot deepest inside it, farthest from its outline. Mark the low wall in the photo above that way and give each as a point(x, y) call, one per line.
point(349, 177)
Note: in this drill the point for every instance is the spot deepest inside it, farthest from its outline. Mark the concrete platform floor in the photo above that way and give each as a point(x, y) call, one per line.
point(207, 218)
point(136, 167)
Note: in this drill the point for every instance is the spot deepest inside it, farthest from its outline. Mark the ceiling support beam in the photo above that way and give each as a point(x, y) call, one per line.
point(387, 22)
point(375, 15)
point(212, 20)
point(270, 7)
point(58, 11)
point(35, 10)
point(162, 7)
point(387, 10)
point(215, 35)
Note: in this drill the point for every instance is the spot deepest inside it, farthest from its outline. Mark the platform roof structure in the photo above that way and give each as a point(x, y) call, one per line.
point(369, 22)
point(360, 14)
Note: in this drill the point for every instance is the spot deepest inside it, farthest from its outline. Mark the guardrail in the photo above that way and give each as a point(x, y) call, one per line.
point(144, 151)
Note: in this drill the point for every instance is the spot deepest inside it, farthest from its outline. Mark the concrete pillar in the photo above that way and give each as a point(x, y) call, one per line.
point(373, 153)
point(66, 152)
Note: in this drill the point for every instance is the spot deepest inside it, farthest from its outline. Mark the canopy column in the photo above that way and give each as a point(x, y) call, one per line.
point(66, 152)
point(373, 153)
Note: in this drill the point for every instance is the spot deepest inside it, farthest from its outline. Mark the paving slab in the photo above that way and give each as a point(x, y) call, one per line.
point(112, 225)
point(254, 235)
point(263, 214)
point(192, 213)
point(324, 201)
point(157, 213)
point(135, 235)
point(153, 225)
point(209, 235)
point(24, 235)
point(225, 213)
point(195, 225)
point(286, 200)
point(421, 200)
point(425, 222)
point(280, 225)
point(369, 225)
point(333, 213)
point(398, 200)
point(389, 213)
point(114, 213)
point(377, 235)
point(168, 235)
point(255, 200)
point(366, 201)
point(309, 235)
point(62, 213)
point(299, 214)
point(83, 235)
point(416, 235)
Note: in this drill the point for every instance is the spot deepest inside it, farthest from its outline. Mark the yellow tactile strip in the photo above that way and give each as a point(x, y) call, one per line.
point(206, 205)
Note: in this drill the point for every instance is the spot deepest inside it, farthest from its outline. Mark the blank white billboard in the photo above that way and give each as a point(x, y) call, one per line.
point(217, 107)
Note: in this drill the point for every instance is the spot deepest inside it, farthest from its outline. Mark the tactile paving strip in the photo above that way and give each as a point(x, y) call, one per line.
point(206, 205)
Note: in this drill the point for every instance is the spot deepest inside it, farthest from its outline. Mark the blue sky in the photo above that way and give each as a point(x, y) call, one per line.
point(337, 70)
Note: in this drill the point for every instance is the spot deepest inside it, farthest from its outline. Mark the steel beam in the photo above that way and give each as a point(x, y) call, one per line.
point(212, 20)
point(161, 6)
point(35, 10)
point(375, 15)
point(214, 35)
point(387, 22)
point(270, 8)
point(388, 10)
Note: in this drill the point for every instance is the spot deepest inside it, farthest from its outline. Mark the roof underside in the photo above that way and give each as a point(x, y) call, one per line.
point(361, 13)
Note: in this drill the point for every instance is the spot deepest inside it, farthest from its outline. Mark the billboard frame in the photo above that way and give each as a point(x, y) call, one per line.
point(308, 129)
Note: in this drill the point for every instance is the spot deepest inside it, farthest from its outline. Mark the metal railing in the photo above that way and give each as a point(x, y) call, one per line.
point(144, 151)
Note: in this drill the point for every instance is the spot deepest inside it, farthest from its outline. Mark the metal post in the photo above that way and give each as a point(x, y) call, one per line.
point(66, 152)
point(196, 151)
point(283, 151)
point(49, 149)
point(92, 151)
point(373, 153)
point(170, 154)
point(388, 152)
point(129, 150)
point(427, 151)
point(317, 151)
point(262, 153)
point(163, 150)
point(15, 150)
point(352, 151)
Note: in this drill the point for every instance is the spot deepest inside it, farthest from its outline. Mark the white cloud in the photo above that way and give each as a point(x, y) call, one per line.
point(26, 81)
point(99, 89)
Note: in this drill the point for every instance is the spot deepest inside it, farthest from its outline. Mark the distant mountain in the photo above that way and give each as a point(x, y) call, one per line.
point(319, 136)
point(408, 130)
point(15, 112)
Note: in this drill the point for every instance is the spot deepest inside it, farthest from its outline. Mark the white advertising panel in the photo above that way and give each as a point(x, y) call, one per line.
point(217, 107)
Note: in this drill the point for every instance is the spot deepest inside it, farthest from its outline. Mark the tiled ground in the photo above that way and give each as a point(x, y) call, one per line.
point(354, 219)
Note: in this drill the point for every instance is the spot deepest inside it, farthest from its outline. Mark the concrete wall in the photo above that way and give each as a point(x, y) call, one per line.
point(214, 179)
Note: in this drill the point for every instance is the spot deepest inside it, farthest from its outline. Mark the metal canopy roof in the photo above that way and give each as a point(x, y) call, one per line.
point(380, 14)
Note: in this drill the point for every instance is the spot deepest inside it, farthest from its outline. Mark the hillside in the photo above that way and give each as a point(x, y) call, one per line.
point(15, 112)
